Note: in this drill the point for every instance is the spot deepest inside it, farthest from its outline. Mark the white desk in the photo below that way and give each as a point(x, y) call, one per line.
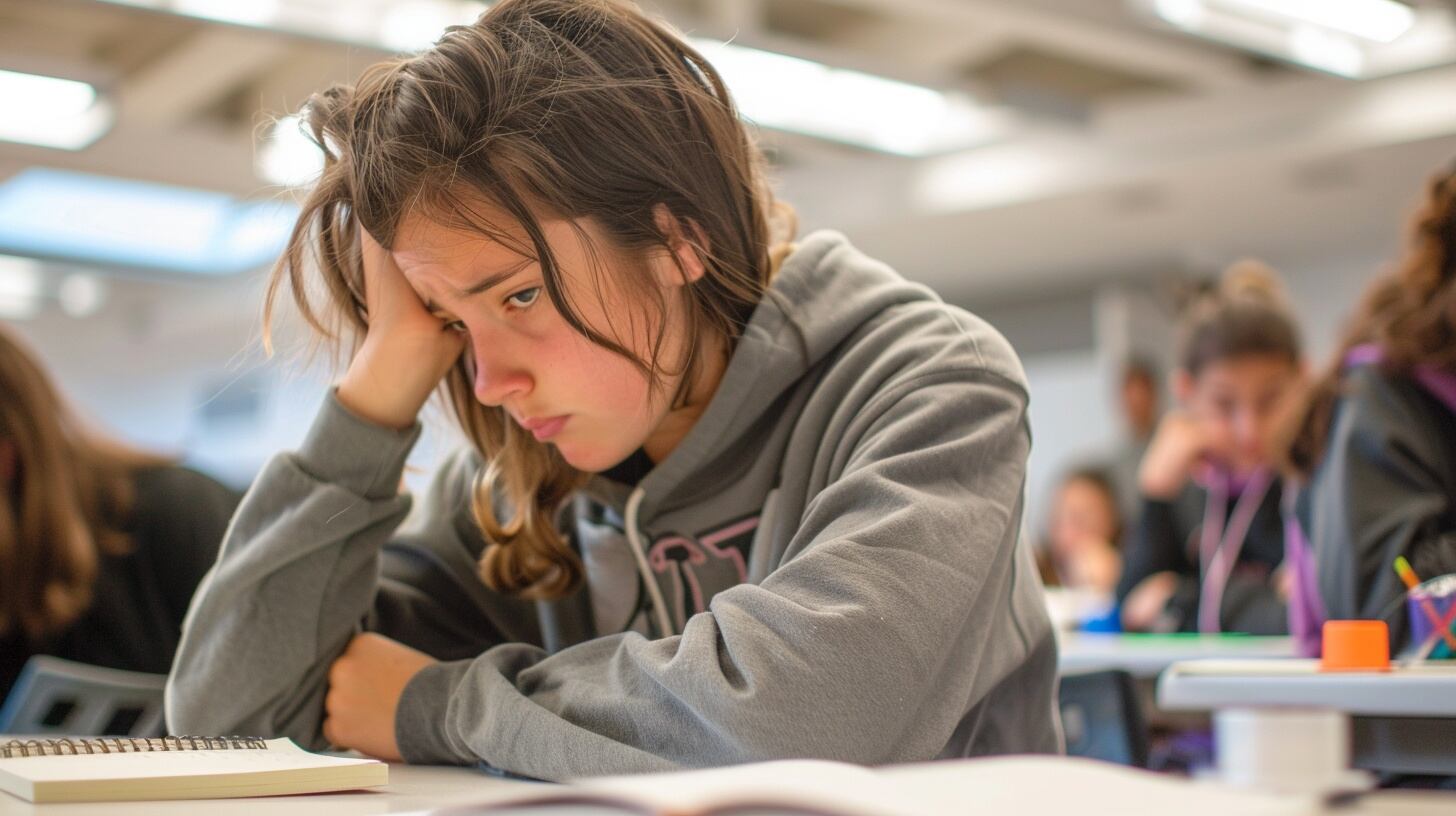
point(1403, 720)
point(1146, 656)
point(411, 788)
point(416, 789)
point(1418, 691)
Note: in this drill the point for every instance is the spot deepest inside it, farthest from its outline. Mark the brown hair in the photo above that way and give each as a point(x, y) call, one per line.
point(1244, 314)
point(65, 497)
point(1409, 311)
point(573, 109)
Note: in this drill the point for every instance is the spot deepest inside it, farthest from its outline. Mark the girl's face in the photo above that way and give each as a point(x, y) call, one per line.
point(595, 406)
point(1240, 401)
point(1083, 515)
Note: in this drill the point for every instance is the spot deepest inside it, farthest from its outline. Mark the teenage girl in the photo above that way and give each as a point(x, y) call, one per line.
point(1376, 441)
point(728, 497)
point(101, 545)
point(1210, 541)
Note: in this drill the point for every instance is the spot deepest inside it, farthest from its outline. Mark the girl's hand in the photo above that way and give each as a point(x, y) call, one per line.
point(1179, 443)
point(365, 685)
point(406, 351)
point(1145, 604)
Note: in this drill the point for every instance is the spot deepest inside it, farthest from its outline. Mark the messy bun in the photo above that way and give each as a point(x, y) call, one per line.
point(1246, 313)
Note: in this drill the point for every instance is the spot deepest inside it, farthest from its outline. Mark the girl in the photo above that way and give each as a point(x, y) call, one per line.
point(1209, 541)
point(101, 546)
point(728, 498)
point(1376, 440)
point(1085, 530)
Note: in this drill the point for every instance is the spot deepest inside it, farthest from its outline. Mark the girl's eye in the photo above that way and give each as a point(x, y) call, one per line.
point(457, 326)
point(524, 298)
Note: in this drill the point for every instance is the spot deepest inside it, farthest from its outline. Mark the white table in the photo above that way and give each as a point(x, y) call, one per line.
point(1146, 656)
point(411, 788)
point(416, 789)
point(1403, 720)
point(1427, 690)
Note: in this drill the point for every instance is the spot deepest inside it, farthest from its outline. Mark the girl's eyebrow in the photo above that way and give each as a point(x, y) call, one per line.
point(490, 282)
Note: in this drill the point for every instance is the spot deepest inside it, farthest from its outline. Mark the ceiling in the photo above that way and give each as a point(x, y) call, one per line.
point(1137, 148)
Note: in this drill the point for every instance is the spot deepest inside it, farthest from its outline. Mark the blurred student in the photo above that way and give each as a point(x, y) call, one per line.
point(1376, 440)
point(1081, 550)
point(1140, 403)
point(1210, 537)
point(101, 546)
point(729, 497)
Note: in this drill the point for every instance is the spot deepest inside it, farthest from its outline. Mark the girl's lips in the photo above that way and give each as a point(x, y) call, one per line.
point(544, 429)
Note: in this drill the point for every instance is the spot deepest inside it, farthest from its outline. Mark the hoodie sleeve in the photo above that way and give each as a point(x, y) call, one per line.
point(301, 571)
point(864, 644)
point(1385, 488)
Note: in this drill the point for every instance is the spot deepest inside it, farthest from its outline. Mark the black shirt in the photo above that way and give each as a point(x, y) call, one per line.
point(135, 618)
point(1166, 540)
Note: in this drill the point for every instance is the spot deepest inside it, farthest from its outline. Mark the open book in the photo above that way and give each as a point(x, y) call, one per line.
point(1018, 784)
point(121, 768)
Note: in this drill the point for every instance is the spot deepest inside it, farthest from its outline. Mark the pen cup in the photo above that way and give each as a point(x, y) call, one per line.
point(1440, 592)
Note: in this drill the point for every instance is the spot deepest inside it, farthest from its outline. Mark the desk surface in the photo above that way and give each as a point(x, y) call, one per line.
point(419, 789)
point(1427, 690)
point(1148, 655)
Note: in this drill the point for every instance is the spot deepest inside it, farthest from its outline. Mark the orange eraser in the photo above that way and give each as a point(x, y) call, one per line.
point(1356, 645)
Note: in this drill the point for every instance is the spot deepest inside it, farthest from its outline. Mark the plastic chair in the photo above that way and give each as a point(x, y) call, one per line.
point(55, 696)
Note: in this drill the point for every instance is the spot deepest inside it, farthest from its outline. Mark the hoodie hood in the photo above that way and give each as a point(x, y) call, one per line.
point(824, 292)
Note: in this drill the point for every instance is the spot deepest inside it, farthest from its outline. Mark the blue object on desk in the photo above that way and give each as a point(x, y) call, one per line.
point(1108, 622)
point(55, 696)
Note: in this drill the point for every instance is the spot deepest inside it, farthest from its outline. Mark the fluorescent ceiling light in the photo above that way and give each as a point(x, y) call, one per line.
point(789, 93)
point(1330, 52)
point(51, 112)
point(416, 25)
point(288, 157)
point(81, 294)
point(1378, 20)
point(774, 90)
point(242, 12)
point(19, 287)
point(117, 222)
point(1357, 39)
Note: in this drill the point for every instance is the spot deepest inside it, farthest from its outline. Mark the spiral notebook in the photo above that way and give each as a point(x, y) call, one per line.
point(121, 768)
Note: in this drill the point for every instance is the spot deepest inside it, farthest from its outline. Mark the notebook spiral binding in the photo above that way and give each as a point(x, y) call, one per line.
point(13, 749)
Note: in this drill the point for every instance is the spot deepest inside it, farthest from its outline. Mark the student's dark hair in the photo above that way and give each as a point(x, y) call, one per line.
point(65, 498)
point(1409, 311)
point(1137, 367)
point(542, 109)
point(1243, 315)
point(1101, 480)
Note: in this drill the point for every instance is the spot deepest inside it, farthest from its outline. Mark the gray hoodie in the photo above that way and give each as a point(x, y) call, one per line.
point(830, 562)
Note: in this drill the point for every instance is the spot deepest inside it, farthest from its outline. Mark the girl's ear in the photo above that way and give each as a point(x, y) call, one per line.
point(688, 245)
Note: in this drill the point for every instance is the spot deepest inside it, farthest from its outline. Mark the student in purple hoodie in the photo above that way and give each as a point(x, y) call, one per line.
point(1375, 444)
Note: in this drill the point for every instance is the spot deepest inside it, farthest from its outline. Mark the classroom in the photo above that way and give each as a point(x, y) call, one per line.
point(850, 407)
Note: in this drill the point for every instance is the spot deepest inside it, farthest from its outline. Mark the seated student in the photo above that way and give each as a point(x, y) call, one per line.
point(1081, 550)
point(101, 546)
point(729, 499)
point(1210, 539)
point(1376, 440)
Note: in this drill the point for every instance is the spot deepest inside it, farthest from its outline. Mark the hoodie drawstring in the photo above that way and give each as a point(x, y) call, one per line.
point(639, 554)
